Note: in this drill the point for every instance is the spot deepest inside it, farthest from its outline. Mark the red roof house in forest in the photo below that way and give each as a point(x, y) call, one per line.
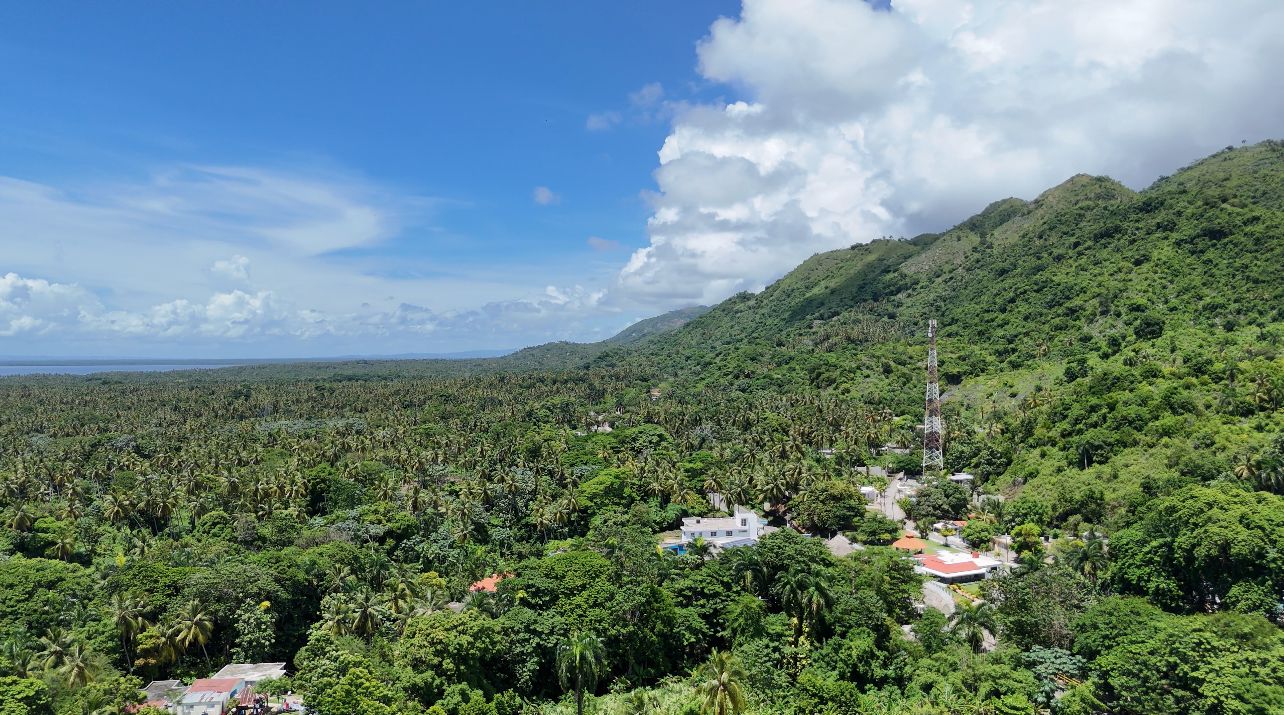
point(489, 583)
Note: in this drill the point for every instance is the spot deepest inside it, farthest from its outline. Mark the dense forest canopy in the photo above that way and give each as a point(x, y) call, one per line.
point(1112, 376)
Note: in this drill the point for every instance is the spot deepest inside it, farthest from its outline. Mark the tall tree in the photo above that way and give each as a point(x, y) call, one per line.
point(77, 666)
point(194, 626)
point(972, 623)
point(127, 615)
point(807, 597)
point(721, 692)
point(581, 659)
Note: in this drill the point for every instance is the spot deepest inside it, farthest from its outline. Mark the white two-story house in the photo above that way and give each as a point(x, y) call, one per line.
point(742, 528)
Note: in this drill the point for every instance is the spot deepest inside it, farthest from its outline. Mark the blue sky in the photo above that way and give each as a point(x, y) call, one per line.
point(456, 111)
point(309, 179)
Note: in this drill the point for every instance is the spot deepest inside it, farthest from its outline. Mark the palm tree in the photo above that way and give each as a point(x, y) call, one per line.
point(194, 625)
point(738, 490)
point(366, 610)
point(1271, 480)
point(127, 615)
point(21, 661)
point(639, 702)
point(581, 658)
point(699, 547)
point(1246, 467)
point(748, 566)
point(774, 487)
point(54, 645)
point(336, 615)
point(1091, 558)
point(65, 546)
point(22, 519)
point(805, 596)
point(115, 508)
point(77, 666)
point(720, 691)
point(972, 622)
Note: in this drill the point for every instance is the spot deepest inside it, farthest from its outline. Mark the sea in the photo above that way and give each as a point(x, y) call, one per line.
point(11, 369)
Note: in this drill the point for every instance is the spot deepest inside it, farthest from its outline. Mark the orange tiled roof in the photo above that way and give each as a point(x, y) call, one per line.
point(909, 543)
point(489, 583)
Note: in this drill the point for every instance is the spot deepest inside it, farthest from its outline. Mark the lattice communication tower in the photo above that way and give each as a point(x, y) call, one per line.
point(933, 458)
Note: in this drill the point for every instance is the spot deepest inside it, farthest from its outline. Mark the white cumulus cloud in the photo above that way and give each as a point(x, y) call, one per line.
point(34, 305)
point(854, 123)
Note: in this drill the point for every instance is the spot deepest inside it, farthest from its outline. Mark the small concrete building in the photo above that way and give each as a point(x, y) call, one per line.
point(742, 528)
point(163, 694)
point(956, 567)
point(252, 673)
point(208, 696)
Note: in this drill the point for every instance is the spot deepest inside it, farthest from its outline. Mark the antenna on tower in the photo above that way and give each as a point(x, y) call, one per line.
point(933, 458)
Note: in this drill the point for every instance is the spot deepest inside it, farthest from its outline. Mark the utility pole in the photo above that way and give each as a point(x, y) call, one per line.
point(933, 459)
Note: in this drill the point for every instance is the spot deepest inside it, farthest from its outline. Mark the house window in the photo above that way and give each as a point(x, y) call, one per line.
point(744, 522)
point(728, 533)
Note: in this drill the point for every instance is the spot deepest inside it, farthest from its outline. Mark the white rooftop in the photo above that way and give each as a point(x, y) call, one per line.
point(742, 528)
point(958, 557)
point(252, 672)
point(721, 522)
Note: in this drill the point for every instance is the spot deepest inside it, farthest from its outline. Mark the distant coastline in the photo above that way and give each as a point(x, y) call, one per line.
point(14, 368)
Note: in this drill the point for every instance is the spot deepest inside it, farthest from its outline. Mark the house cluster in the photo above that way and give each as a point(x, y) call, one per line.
point(742, 528)
point(956, 567)
point(230, 691)
point(944, 564)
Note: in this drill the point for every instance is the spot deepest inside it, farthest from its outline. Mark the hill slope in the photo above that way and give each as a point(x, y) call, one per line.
point(1099, 346)
point(1086, 261)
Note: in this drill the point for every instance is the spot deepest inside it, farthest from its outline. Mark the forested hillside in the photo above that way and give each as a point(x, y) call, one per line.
point(1112, 376)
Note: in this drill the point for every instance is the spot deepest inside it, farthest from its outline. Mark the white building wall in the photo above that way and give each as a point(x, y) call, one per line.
point(744, 526)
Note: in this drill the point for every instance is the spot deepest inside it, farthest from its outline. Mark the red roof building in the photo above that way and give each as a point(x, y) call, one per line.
point(489, 583)
point(910, 544)
point(956, 568)
point(214, 685)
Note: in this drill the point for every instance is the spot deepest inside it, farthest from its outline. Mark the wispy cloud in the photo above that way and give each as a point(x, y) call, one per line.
point(545, 196)
point(597, 243)
point(236, 268)
point(646, 105)
point(647, 96)
point(249, 256)
point(601, 121)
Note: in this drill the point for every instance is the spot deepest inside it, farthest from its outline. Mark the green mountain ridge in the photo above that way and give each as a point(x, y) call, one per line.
point(1089, 257)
